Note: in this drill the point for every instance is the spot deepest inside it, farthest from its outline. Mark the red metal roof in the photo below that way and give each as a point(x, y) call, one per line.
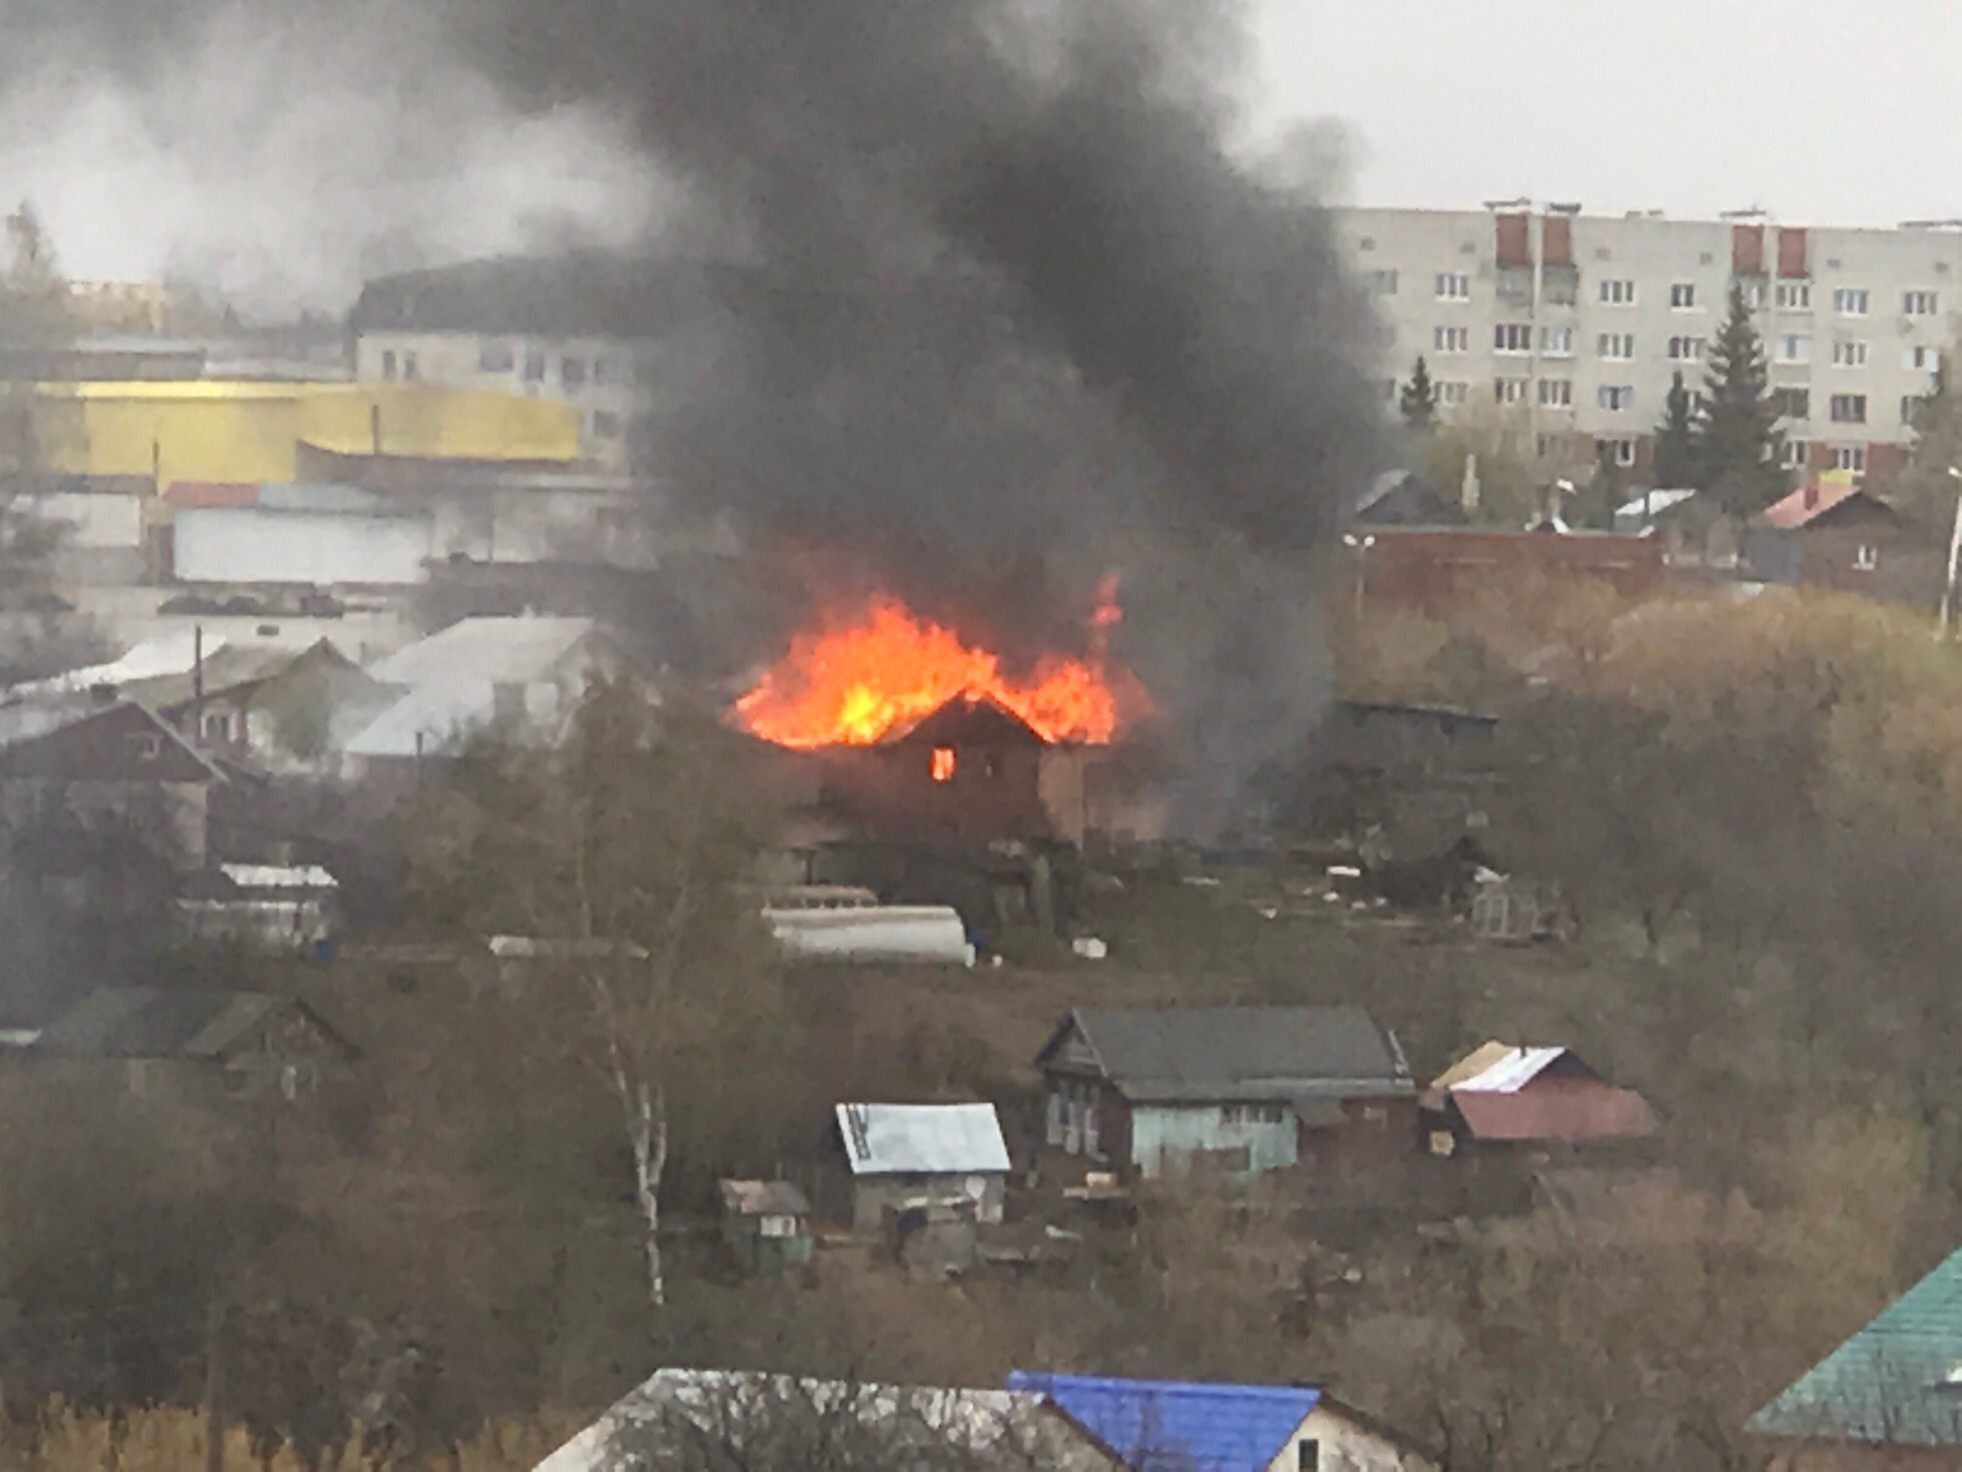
point(198, 493)
point(1810, 502)
point(1552, 1108)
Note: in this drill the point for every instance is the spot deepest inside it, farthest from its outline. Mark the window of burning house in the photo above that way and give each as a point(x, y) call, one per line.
point(940, 765)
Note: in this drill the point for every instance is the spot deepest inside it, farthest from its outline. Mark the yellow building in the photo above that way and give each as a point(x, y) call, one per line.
point(249, 432)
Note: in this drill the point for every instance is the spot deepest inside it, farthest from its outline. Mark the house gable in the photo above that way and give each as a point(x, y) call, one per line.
point(122, 743)
point(1069, 1051)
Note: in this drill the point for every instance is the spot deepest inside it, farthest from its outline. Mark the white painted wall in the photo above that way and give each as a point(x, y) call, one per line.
point(1345, 1446)
point(606, 384)
point(1419, 245)
point(95, 522)
point(247, 545)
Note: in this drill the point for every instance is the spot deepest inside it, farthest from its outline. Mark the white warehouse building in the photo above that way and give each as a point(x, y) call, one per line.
point(1581, 320)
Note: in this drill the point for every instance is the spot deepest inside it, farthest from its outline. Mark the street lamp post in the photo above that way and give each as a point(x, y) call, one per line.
point(1360, 546)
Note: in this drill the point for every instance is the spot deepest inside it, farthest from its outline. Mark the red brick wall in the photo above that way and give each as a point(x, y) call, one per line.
point(1514, 246)
point(1791, 252)
point(1746, 250)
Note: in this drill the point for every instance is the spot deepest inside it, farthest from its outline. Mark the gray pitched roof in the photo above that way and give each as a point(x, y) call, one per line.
point(1897, 1382)
point(1203, 1054)
point(155, 1022)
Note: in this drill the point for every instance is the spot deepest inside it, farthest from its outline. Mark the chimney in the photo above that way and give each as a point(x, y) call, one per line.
point(103, 693)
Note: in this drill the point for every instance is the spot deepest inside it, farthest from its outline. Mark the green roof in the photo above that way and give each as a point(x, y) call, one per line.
point(1896, 1382)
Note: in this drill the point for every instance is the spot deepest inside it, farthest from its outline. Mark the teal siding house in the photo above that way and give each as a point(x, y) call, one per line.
point(1235, 1090)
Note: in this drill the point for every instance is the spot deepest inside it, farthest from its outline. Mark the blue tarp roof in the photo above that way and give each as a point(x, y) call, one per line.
point(1179, 1425)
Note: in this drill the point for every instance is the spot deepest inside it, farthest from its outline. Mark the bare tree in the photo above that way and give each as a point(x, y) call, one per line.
point(620, 855)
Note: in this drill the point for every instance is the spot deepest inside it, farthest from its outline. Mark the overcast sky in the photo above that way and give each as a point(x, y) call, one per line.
point(309, 161)
point(1824, 113)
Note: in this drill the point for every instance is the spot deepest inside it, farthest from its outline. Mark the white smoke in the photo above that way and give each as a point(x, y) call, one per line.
point(274, 162)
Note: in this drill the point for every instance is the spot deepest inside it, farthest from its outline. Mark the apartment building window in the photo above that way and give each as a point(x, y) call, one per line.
point(1795, 454)
point(1849, 352)
point(1620, 453)
point(1615, 396)
point(1848, 408)
point(1850, 301)
point(1453, 287)
point(1557, 342)
point(1682, 296)
point(495, 357)
point(1912, 406)
point(1922, 359)
point(388, 366)
point(1616, 347)
point(1452, 394)
point(1792, 403)
point(534, 366)
point(411, 369)
point(1795, 347)
point(1556, 393)
point(1509, 390)
point(572, 372)
point(1617, 293)
point(1754, 294)
point(1383, 283)
point(600, 372)
point(1686, 349)
point(1794, 296)
point(606, 425)
point(1512, 337)
point(1850, 457)
point(1918, 303)
point(1451, 339)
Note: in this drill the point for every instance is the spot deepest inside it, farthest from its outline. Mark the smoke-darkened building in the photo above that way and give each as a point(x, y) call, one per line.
point(970, 771)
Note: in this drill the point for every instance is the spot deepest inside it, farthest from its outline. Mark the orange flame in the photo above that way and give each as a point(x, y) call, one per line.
point(850, 682)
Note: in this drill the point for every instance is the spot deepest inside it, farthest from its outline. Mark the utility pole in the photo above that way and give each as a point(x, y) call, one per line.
point(214, 1387)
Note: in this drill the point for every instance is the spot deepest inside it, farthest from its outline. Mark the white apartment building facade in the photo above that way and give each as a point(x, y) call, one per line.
point(584, 330)
point(1581, 320)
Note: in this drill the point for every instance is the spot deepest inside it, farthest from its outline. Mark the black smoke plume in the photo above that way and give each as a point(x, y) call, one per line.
point(1013, 315)
point(1000, 311)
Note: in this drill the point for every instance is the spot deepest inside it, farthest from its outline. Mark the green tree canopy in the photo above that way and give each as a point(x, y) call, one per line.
point(1675, 439)
point(1737, 451)
point(1418, 400)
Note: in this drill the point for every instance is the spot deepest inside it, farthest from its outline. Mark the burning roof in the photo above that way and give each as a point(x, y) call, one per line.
point(884, 672)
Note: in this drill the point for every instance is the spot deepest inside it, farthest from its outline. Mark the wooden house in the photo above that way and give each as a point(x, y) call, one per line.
point(1235, 1089)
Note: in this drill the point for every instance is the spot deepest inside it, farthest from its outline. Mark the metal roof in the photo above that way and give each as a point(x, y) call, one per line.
point(764, 1198)
point(1217, 1054)
point(1498, 1068)
point(154, 1022)
point(1195, 1426)
point(781, 1411)
point(491, 650)
point(1897, 1382)
point(926, 1139)
point(279, 876)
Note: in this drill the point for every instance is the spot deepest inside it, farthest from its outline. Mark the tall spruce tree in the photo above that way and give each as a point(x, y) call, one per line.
point(1737, 450)
point(1924, 489)
point(1675, 439)
point(1419, 398)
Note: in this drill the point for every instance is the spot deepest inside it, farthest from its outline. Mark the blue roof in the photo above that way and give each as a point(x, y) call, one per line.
point(1179, 1425)
point(1898, 1381)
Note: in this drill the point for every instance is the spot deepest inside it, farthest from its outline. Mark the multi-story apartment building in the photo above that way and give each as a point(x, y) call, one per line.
point(582, 329)
point(1581, 320)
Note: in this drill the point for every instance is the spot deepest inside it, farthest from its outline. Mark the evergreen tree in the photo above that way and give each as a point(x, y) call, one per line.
point(1738, 447)
point(1675, 439)
point(1419, 398)
point(1924, 489)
